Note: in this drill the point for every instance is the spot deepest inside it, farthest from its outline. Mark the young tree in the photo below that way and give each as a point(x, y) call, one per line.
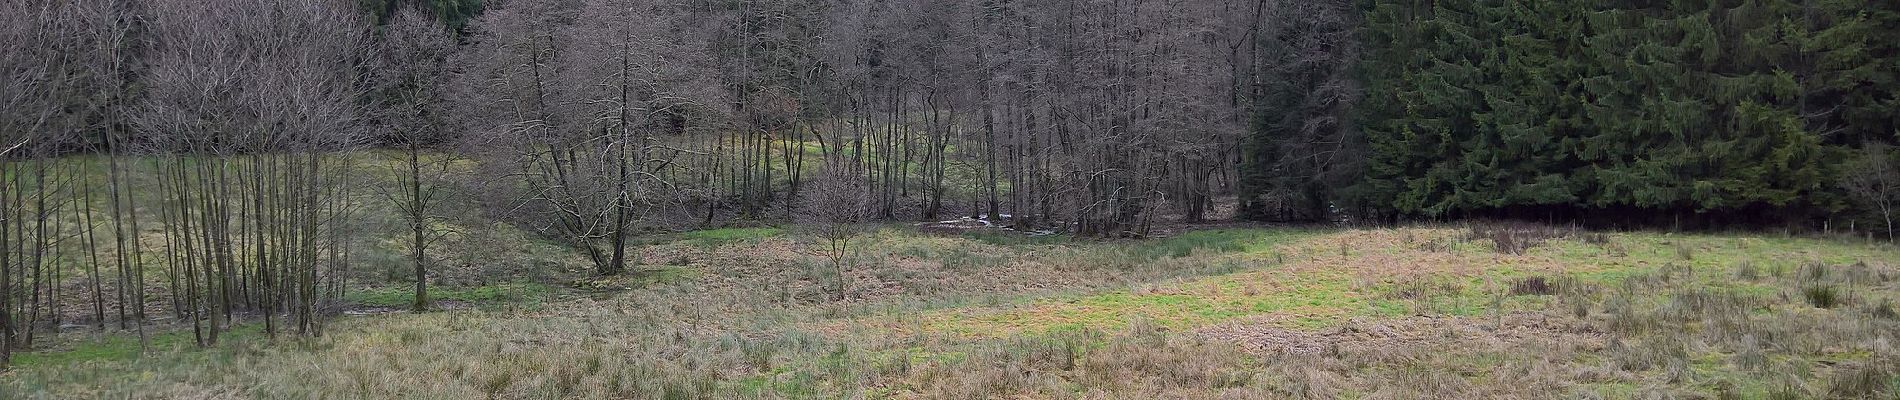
point(248, 112)
point(836, 204)
point(594, 98)
point(1874, 179)
point(632, 72)
point(46, 86)
point(415, 52)
point(22, 74)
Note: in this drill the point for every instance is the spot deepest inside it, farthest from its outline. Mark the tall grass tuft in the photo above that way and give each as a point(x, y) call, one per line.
point(1885, 310)
point(1863, 382)
point(1821, 295)
point(1532, 286)
point(1516, 237)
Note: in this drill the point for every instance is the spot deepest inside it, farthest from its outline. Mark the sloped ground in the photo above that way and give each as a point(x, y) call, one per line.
point(1237, 313)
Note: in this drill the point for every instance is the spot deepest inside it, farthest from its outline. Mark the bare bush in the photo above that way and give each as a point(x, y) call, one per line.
point(1512, 237)
point(586, 105)
point(835, 208)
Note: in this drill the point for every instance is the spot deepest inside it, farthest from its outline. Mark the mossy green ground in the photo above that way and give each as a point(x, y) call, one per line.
point(120, 347)
point(713, 237)
point(1316, 279)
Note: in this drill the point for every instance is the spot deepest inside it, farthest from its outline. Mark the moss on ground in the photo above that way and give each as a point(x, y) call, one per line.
point(721, 236)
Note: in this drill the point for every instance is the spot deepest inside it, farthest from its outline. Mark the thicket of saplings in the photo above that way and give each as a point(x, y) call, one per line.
point(215, 171)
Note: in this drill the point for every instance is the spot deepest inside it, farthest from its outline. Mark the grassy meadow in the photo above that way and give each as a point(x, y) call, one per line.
point(1490, 311)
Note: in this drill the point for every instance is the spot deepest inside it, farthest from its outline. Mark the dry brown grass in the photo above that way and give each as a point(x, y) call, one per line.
point(1636, 321)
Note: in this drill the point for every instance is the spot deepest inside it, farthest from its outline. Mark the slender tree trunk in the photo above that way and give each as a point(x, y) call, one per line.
point(84, 215)
point(1886, 211)
point(39, 247)
point(136, 296)
point(621, 202)
point(120, 254)
point(261, 221)
point(989, 159)
point(7, 218)
point(418, 226)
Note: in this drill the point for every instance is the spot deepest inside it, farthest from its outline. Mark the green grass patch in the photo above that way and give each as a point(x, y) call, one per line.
point(663, 275)
point(1218, 241)
point(125, 347)
point(1310, 300)
point(1324, 297)
point(527, 292)
point(714, 237)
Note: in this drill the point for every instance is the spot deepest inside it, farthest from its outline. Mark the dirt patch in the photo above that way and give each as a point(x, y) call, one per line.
point(1262, 336)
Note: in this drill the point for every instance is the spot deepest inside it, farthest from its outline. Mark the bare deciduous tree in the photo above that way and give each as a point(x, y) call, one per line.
point(595, 123)
point(835, 207)
point(248, 113)
point(416, 51)
point(1874, 179)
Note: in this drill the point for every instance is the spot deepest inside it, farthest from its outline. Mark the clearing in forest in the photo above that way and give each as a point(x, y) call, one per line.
point(1483, 311)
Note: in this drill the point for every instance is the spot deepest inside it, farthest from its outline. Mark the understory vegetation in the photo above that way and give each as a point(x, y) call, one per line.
point(1441, 312)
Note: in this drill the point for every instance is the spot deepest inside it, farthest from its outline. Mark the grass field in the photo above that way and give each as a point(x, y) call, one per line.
point(1440, 312)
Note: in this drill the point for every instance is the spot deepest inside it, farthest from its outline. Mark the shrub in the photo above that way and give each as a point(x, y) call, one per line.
point(1864, 382)
point(1515, 237)
point(1813, 272)
point(1885, 310)
point(1596, 238)
point(1535, 285)
point(1750, 356)
point(1684, 251)
point(1418, 289)
point(1579, 309)
point(1821, 296)
point(1787, 392)
point(1747, 271)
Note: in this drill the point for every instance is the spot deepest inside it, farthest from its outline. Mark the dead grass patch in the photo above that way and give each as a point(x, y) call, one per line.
point(1293, 318)
point(1361, 335)
point(1515, 237)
